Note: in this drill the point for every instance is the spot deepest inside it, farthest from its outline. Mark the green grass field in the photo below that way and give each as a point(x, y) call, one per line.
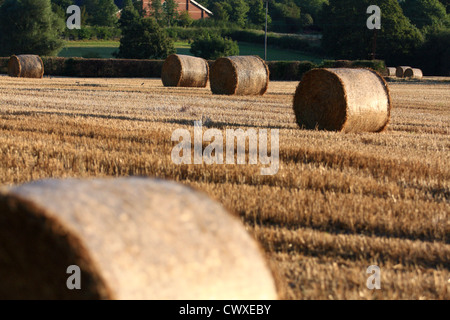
point(105, 49)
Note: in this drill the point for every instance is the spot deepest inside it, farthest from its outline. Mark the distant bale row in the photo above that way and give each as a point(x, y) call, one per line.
point(404, 72)
point(400, 71)
point(235, 75)
point(132, 238)
point(142, 68)
point(279, 70)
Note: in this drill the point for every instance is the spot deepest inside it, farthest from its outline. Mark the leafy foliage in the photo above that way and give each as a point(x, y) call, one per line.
point(170, 10)
point(156, 10)
point(213, 47)
point(434, 55)
point(425, 13)
point(29, 26)
point(285, 16)
point(185, 19)
point(346, 36)
point(142, 38)
point(101, 12)
point(257, 13)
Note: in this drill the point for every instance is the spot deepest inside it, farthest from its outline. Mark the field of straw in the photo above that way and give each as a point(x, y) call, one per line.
point(339, 203)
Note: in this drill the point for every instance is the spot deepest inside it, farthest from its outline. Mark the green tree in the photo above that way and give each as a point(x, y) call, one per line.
point(129, 18)
point(312, 7)
point(425, 13)
point(286, 16)
point(221, 11)
point(306, 20)
point(257, 13)
point(185, 19)
point(61, 4)
point(29, 26)
point(142, 38)
point(446, 4)
point(127, 3)
point(101, 12)
point(60, 7)
point(156, 10)
point(213, 47)
point(170, 10)
point(434, 55)
point(238, 13)
point(346, 36)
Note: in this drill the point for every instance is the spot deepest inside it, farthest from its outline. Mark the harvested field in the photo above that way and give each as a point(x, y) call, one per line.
point(338, 204)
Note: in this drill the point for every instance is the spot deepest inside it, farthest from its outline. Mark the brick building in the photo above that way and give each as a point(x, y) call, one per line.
point(195, 9)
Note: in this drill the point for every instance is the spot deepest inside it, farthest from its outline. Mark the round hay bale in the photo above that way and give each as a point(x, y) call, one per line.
point(25, 66)
point(400, 71)
point(391, 72)
point(239, 75)
point(132, 238)
point(413, 73)
point(185, 71)
point(347, 100)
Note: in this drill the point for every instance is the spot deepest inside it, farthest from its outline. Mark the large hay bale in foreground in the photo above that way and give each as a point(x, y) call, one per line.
point(185, 71)
point(239, 75)
point(26, 66)
point(348, 100)
point(400, 71)
point(413, 73)
point(391, 72)
point(133, 238)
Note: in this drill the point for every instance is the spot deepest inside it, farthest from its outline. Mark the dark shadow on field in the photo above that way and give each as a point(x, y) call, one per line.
point(208, 124)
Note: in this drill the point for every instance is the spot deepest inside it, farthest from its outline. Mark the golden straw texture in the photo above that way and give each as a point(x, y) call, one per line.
point(185, 71)
point(26, 66)
point(347, 100)
point(413, 73)
point(239, 75)
point(391, 72)
point(133, 238)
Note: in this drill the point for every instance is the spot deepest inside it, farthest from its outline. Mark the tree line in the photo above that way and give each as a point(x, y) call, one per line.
point(410, 30)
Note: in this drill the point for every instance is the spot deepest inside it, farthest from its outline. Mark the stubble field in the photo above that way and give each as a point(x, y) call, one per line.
point(338, 204)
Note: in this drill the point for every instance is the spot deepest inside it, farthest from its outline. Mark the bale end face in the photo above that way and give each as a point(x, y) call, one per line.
point(413, 73)
point(391, 72)
point(224, 77)
point(171, 71)
point(36, 252)
point(185, 71)
point(132, 238)
point(400, 71)
point(239, 75)
point(347, 100)
point(14, 67)
point(319, 101)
